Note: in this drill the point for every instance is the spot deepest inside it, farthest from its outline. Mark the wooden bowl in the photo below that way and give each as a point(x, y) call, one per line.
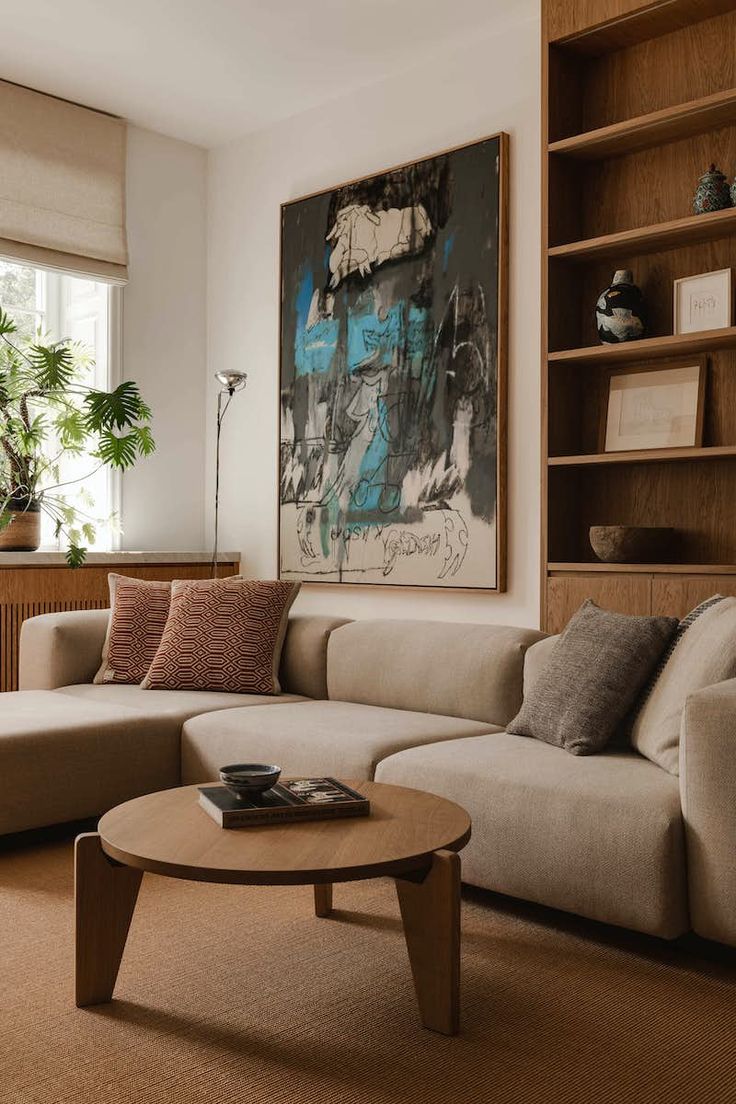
point(632, 543)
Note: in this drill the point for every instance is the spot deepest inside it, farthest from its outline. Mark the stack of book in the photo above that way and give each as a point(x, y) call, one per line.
point(294, 800)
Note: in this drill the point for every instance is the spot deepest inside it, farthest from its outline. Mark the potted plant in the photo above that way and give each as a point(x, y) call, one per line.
point(48, 410)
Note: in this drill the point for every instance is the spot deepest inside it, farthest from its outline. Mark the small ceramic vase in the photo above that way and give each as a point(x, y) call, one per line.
point(733, 194)
point(619, 312)
point(712, 193)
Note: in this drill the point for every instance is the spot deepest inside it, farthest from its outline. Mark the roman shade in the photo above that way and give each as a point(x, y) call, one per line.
point(62, 185)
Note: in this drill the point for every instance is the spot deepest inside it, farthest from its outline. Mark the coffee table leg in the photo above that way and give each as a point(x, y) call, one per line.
point(105, 896)
point(430, 910)
point(323, 899)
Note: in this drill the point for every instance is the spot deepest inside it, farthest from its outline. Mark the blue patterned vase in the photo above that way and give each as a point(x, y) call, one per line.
point(619, 312)
point(712, 193)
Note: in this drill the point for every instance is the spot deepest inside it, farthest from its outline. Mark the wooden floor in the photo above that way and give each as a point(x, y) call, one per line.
point(240, 994)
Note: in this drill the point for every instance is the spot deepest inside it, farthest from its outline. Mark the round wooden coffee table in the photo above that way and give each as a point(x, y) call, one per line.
point(411, 836)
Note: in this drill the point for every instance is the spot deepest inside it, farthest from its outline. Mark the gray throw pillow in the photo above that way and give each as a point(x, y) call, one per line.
point(594, 674)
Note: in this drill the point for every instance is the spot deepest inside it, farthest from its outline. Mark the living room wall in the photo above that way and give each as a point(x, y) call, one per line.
point(164, 323)
point(490, 85)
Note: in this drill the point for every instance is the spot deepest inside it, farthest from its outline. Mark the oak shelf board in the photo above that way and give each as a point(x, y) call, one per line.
point(649, 348)
point(642, 569)
point(642, 456)
point(650, 239)
point(639, 26)
point(657, 127)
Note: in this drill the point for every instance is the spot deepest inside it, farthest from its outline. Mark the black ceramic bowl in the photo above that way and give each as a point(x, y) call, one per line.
point(249, 779)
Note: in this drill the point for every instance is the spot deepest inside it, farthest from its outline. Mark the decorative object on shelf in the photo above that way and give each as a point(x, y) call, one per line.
point(712, 192)
point(619, 312)
point(49, 410)
point(393, 348)
point(248, 779)
point(230, 383)
point(703, 302)
point(633, 543)
point(652, 408)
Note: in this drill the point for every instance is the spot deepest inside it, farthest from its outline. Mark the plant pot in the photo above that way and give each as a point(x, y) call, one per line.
point(24, 532)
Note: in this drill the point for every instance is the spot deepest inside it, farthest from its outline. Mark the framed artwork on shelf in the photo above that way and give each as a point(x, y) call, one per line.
point(703, 302)
point(655, 407)
point(393, 375)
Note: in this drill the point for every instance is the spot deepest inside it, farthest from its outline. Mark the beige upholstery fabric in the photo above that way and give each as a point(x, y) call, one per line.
point(536, 659)
point(705, 654)
point(304, 657)
point(472, 671)
point(600, 835)
point(708, 790)
point(62, 758)
point(177, 705)
point(311, 738)
point(57, 649)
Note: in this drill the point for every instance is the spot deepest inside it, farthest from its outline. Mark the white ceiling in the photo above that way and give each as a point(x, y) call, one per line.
point(208, 71)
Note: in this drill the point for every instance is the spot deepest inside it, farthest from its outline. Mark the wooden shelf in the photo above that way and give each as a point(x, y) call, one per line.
point(668, 125)
point(644, 569)
point(642, 456)
point(651, 22)
point(649, 348)
point(650, 239)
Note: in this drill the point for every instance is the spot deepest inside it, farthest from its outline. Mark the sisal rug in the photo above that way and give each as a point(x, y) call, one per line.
point(230, 994)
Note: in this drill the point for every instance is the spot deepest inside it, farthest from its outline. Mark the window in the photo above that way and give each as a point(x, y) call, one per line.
point(57, 305)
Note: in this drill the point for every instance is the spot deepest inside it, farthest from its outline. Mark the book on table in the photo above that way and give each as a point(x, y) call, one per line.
point(296, 799)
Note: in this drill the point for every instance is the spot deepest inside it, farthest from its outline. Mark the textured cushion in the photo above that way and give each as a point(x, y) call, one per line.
point(705, 653)
point(223, 634)
point(472, 671)
point(601, 836)
point(62, 759)
point(592, 677)
point(311, 738)
point(139, 609)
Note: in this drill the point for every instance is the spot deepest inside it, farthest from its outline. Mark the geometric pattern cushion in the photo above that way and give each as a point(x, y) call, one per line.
point(137, 619)
point(223, 634)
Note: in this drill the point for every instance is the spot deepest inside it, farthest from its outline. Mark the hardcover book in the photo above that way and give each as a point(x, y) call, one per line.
point(292, 800)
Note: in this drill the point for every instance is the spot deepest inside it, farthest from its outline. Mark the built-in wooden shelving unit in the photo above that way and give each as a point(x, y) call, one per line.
point(638, 99)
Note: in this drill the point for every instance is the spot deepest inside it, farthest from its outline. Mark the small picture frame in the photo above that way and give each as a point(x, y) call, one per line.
point(703, 302)
point(655, 407)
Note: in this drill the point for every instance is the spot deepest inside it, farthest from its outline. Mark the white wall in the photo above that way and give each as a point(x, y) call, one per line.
point(164, 339)
point(490, 85)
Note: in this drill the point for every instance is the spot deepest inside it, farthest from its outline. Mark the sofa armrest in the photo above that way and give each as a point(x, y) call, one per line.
point(59, 649)
point(708, 794)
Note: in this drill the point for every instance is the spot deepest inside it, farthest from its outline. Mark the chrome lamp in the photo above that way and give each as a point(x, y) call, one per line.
point(230, 382)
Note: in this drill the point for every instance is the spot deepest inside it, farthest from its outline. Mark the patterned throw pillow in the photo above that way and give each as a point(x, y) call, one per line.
point(137, 619)
point(223, 634)
point(595, 672)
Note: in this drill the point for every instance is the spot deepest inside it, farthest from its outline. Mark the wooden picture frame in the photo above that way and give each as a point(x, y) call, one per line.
point(625, 427)
point(447, 549)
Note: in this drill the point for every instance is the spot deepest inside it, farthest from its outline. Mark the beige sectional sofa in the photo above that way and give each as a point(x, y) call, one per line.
point(424, 704)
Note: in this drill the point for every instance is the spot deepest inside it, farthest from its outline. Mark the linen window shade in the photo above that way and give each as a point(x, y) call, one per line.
point(62, 185)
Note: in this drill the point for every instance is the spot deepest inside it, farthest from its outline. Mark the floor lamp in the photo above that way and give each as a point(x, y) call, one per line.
point(230, 383)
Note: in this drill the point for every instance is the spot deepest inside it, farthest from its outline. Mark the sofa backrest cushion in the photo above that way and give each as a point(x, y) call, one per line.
point(304, 657)
point(470, 671)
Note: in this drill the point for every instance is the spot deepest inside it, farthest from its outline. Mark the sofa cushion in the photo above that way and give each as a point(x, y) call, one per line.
point(704, 654)
point(177, 705)
point(311, 738)
point(592, 678)
point(304, 656)
point(472, 671)
point(601, 835)
point(62, 759)
point(223, 634)
point(139, 609)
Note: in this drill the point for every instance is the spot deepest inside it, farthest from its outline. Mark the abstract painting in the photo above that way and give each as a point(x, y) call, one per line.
point(393, 352)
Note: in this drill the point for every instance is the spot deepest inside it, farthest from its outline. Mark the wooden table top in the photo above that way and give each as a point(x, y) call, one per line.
point(169, 833)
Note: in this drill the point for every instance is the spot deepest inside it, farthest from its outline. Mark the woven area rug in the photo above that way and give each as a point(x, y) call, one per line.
point(230, 994)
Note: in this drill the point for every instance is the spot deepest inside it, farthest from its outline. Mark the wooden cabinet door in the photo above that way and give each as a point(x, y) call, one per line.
point(674, 596)
point(623, 593)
